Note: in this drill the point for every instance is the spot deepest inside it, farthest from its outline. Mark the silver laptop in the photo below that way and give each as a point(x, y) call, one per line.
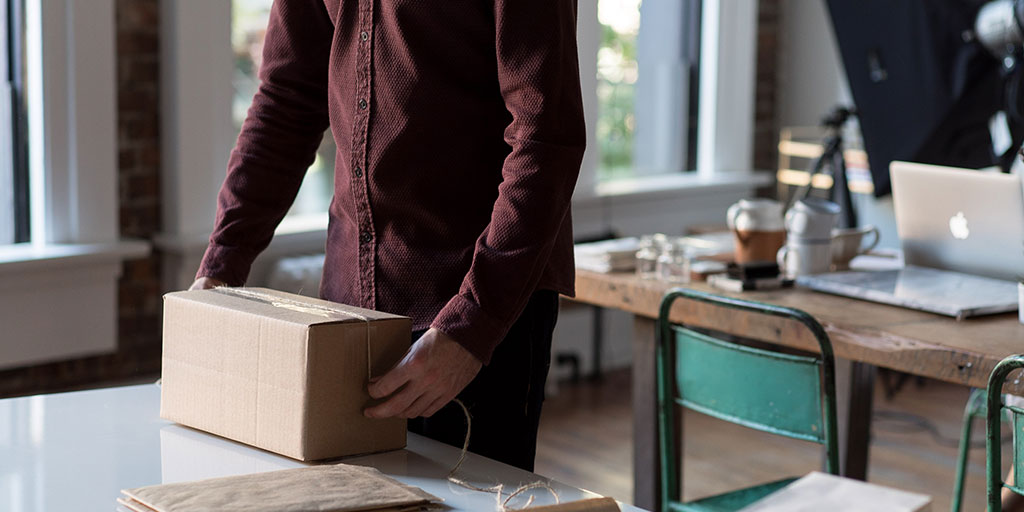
point(962, 233)
point(959, 219)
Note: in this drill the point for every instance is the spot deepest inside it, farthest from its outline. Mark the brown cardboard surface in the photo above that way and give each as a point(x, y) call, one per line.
point(279, 371)
point(820, 491)
point(337, 488)
point(590, 505)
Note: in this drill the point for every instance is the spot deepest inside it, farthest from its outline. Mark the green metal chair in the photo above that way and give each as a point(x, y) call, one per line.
point(975, 408)
point(993, 437)
point(788, 395)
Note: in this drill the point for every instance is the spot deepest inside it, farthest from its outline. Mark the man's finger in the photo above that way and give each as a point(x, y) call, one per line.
point(395, 405)
point(388, 383)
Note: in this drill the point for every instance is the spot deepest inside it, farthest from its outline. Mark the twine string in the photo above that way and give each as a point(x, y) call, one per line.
point(328, 312)
point(502, 505)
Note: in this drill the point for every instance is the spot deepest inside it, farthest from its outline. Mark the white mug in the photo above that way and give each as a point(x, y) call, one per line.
point(812, 218)
point(848, 244)
point(757, 229)
point(757, 214)
point(804, 259)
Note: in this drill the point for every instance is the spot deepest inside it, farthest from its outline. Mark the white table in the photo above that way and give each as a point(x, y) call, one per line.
point(76, 451)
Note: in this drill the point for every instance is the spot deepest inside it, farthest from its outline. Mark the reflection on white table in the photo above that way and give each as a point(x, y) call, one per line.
point(76, 451)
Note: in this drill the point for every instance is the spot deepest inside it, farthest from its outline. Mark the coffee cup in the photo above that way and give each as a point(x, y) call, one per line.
point(804, 258)
point(812, 218)
point(848, 244)
point(757, 228)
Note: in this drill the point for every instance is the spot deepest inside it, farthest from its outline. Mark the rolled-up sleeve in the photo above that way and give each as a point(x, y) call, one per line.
point(538, 73)
point(278, 140)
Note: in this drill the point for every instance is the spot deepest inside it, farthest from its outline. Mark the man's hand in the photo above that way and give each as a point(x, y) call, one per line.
point(433, 372)
point(205, 283)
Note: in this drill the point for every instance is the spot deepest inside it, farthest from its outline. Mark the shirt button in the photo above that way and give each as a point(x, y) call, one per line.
point(366, 237)
point(362, 104)
point(364, 35)
point(358, 171)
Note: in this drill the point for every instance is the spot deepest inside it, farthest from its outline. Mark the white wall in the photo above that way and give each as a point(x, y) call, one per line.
point(811, 80)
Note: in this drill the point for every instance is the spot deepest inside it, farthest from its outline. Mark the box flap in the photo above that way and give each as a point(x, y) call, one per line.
point(283, 306)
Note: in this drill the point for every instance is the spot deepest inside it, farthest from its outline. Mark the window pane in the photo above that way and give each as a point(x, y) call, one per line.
point(248, 26)
point(6, 140)
point(647, 69)
point(14, 213)
point(616, 86)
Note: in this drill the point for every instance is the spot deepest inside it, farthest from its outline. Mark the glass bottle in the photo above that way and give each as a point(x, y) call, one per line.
point(647, 258)
point(674, 263)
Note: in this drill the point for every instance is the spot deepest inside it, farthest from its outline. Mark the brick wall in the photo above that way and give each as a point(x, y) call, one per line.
point(138, 109)
point(766, 129)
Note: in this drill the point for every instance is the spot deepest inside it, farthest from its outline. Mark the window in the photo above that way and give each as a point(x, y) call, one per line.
point(14, 212)
point(647, 76)
point(248, 26)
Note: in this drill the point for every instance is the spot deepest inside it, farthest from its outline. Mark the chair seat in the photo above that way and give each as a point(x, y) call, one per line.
point(733, 500)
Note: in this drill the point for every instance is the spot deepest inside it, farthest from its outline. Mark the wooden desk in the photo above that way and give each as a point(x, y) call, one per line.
point(866, 333)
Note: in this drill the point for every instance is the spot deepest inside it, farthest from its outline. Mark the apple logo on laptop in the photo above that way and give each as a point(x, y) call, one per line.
point(958, 226)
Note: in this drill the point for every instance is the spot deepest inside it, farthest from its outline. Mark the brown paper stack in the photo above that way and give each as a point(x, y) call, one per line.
point(591, 505)
point(329, 488)
point(820, 491)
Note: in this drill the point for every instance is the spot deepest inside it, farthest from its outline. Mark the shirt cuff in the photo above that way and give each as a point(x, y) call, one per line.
point(470, 326)
point(228, 264)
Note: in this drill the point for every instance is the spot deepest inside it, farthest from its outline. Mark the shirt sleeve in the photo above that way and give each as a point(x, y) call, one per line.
point(538, 72)
point(278, 140)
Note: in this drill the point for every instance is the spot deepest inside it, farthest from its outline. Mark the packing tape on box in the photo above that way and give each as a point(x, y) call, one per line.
point(303, 307)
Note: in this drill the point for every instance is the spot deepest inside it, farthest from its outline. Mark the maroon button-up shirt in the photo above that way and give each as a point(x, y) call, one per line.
point(459, 126)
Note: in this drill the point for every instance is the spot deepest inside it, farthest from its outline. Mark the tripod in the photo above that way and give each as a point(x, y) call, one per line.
point(832, 155)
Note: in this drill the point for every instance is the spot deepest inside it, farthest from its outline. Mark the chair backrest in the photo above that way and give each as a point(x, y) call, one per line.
point(789, 395)
point(993, 435)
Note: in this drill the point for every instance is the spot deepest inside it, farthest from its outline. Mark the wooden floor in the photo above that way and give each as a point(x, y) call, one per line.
point(586, 440)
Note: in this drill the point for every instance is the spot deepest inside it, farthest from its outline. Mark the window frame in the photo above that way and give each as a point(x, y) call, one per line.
point(72, 122)
point(19, 119)
point(7, 202)
point(75, 250)
point(726, 98)
point(14, 219)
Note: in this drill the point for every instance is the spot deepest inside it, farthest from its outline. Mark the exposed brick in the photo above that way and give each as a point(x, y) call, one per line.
point(138, 15)
point(126, 159)
point(765, 114)
point(135, 42)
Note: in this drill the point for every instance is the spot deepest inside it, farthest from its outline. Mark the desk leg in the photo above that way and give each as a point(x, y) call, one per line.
point(646, 477)
point(596, 372)
point(853, 450)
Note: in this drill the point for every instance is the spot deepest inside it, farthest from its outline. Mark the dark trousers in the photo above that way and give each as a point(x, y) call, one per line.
point(505, 398)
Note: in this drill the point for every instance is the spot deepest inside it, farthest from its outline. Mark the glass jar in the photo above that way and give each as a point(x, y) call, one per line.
point(647, 258)
point(674, 263)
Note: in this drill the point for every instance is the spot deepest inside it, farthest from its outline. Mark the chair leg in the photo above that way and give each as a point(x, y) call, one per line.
point(974, 405)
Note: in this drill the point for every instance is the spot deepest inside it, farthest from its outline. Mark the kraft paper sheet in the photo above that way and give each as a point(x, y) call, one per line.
point(328, 488)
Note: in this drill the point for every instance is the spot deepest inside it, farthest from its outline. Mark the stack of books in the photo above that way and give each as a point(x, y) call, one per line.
point(616, 255)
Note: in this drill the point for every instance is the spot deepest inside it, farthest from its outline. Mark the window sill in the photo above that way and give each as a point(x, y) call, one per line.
point(73, 283)
point(673, 185)
point(20, 258)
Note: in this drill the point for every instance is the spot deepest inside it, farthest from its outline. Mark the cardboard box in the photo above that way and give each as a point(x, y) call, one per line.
point(279, 371)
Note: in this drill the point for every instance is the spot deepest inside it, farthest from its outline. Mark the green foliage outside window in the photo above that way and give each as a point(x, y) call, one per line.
point(616, 86)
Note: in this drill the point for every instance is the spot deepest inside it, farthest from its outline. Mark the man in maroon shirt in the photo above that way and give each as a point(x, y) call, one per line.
point(459, 127)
